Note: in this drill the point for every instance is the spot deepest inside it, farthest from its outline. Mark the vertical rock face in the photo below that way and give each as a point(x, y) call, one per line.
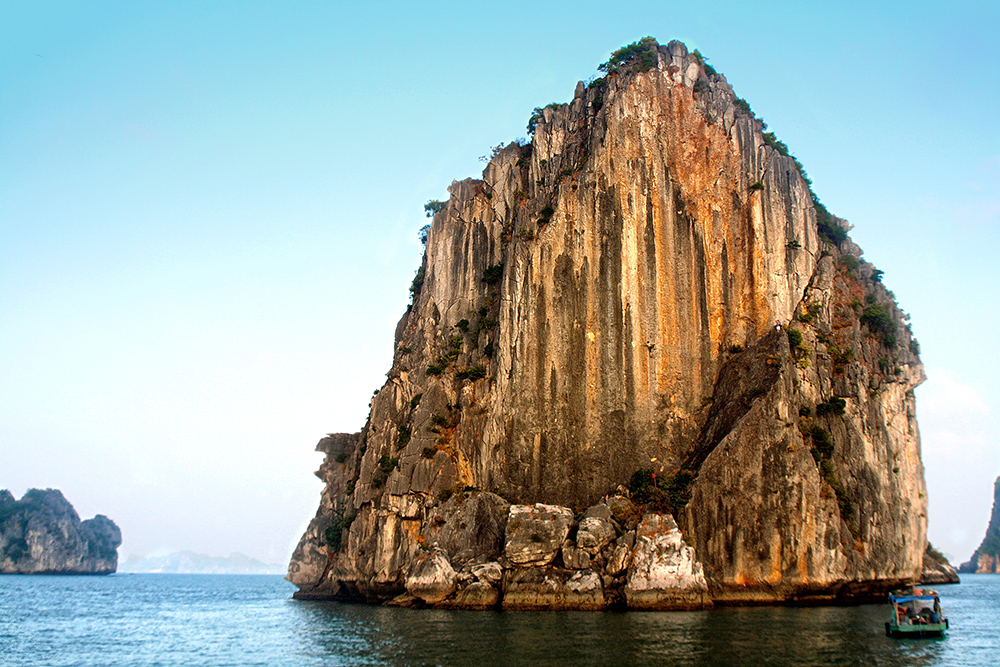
point(42, 534)
point(986, 559)
point(603, 301)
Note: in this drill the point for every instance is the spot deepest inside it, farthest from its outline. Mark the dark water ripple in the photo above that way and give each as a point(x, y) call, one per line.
point(214, 620)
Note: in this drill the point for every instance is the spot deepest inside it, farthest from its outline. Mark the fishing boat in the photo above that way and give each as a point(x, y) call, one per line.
point(916, 613)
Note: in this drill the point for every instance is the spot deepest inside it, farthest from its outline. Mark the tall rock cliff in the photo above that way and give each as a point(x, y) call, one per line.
point(646, 300)
point(43, 534)
point(986, 559)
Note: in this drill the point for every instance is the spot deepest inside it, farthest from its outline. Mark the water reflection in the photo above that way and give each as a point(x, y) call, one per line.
point(137, 620)
point(359, 635)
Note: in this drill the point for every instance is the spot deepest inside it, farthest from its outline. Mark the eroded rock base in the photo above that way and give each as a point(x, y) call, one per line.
point(534, 557)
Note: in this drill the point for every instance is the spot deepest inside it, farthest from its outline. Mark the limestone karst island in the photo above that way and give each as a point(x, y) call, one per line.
point(42, 534)
point(643, 367)
point(986, 559)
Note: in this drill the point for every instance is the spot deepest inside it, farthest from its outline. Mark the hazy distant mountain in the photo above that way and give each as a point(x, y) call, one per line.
point(188, 562)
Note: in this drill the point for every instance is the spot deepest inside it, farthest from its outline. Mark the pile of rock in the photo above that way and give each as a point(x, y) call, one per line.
point(546, 558)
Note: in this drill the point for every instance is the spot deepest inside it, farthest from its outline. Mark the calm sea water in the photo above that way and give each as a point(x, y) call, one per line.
point(161, 619)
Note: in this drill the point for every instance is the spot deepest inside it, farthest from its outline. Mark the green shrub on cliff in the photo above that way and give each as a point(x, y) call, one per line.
point(771, 139)
point(387, 464)
point(433, 207)
point(667, 493)
point(822, 447)
point(822, 452)
point(493, 274)
point(879, 321)
point(835, 406)
point(638, 56)
point(403, 436)
point(334, 533)
point(538, 114)
point(418, 282)
point(744, 106)
point(829, 230)
point(849, 262)
point(476, 372)
point(795, 344)
point(811, 311)
point(703, 61)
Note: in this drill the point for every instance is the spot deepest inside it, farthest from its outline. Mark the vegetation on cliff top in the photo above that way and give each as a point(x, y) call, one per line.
point(638, 56)
point(641, 56)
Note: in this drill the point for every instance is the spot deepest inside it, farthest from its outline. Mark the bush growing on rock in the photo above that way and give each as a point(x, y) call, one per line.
point(493, 274)
point(879, 321)
point(387, 464)
point(639, 56)
point(668, 493)
point(835, 406)
point(433, 207)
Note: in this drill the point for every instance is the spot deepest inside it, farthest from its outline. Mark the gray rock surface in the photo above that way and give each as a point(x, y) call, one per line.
point(535, 533)
point(594, 533)
point(663, 570)
point(476, 595)
point(621, 557)
point(432, 579)
point(552, 589)
point(573, 558)
point(488, 573)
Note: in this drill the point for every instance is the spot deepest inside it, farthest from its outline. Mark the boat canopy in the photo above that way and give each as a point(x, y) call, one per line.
point(912, 598)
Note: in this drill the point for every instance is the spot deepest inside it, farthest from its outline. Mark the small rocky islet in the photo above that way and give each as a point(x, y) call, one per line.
point(643, 367)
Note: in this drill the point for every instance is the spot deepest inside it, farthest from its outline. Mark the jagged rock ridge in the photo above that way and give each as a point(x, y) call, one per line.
point(42, 534)
point(602, 303)
point(986, 559)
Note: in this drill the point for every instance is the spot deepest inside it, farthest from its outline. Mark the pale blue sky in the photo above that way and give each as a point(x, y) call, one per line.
point(208, 217)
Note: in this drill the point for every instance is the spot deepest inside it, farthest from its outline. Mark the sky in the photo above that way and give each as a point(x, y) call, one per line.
point(209, 216)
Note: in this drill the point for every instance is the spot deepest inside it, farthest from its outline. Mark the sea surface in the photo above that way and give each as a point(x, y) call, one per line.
point(164, 619)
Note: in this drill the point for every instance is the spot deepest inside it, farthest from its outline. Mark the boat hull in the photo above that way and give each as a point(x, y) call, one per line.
point(916, 631)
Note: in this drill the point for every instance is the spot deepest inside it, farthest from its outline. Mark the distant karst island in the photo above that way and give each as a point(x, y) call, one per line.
point(986, 559)
point(643, 367)
point(42, 534)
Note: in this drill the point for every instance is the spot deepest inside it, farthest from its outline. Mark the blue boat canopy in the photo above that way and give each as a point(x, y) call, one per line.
point(910, 598)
